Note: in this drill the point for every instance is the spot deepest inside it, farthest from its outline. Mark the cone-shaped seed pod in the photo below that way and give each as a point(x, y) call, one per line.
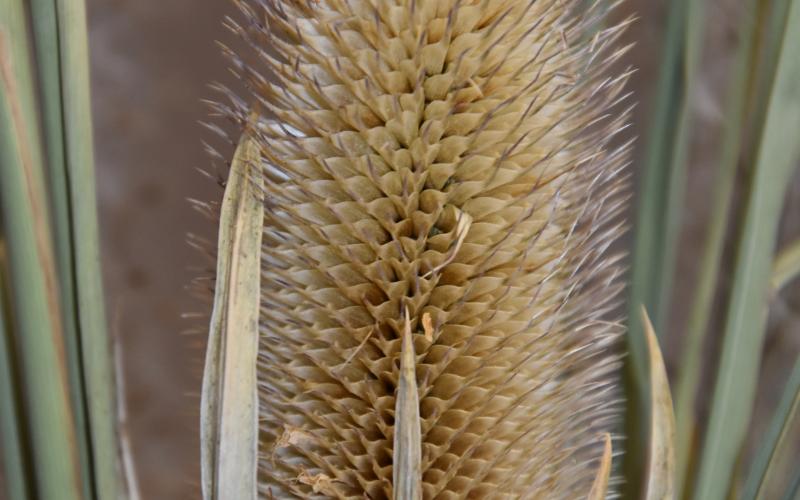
point(445, 170)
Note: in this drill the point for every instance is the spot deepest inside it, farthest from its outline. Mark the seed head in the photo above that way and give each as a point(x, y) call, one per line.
point(448, 168)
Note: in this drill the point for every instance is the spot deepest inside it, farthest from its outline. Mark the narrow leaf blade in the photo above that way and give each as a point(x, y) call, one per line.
point(32, 272)
point(95, 345)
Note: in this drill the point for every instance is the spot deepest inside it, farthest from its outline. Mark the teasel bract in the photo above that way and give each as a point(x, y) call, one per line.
point(441, 183)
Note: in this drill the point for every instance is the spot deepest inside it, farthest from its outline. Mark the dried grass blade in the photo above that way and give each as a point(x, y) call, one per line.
point(229, 411)
point(600, 486)
point(660, 480)
point(407, 452)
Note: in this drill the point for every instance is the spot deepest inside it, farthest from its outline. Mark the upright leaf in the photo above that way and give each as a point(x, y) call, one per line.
point(229, 411)
point(37, 314)
point(785, 415)
point(737, 374)
point(12, 439)
point(711, 257)
point(94, 339)
point(48, 61)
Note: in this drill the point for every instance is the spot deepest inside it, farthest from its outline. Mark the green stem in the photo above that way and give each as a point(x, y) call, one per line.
point(95, 345)
point(46, 42)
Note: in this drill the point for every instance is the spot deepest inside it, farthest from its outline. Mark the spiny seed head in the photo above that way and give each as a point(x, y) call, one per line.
point(454, 160)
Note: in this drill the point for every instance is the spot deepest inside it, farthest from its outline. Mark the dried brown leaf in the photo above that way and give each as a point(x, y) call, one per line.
point(661, 457)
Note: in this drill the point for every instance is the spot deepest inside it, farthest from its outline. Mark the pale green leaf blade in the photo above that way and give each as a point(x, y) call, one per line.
point(44, 20)
point(93, 332)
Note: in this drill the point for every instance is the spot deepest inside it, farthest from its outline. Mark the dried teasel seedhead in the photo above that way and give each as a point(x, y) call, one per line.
point(448, 169)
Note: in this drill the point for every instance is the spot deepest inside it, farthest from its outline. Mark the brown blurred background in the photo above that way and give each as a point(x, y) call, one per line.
point(152, 61)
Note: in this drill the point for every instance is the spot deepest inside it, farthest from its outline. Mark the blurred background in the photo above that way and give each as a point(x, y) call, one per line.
point(152, 62)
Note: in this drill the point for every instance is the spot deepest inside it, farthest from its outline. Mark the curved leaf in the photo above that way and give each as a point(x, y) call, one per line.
point(660, 482)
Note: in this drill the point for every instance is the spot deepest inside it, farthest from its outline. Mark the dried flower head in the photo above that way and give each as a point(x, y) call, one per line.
point(446, 170)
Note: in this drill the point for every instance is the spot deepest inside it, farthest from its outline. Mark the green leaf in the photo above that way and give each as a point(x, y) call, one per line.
point(737, 374)
point(94, 339)
point(691, 358)
point(652, 192)
point(229, 408)
point(775, 438)
point(660, 204)
point(46, 43)
point(33, 276)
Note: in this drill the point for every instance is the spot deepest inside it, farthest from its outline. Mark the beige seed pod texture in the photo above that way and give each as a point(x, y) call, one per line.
point(442, 181)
